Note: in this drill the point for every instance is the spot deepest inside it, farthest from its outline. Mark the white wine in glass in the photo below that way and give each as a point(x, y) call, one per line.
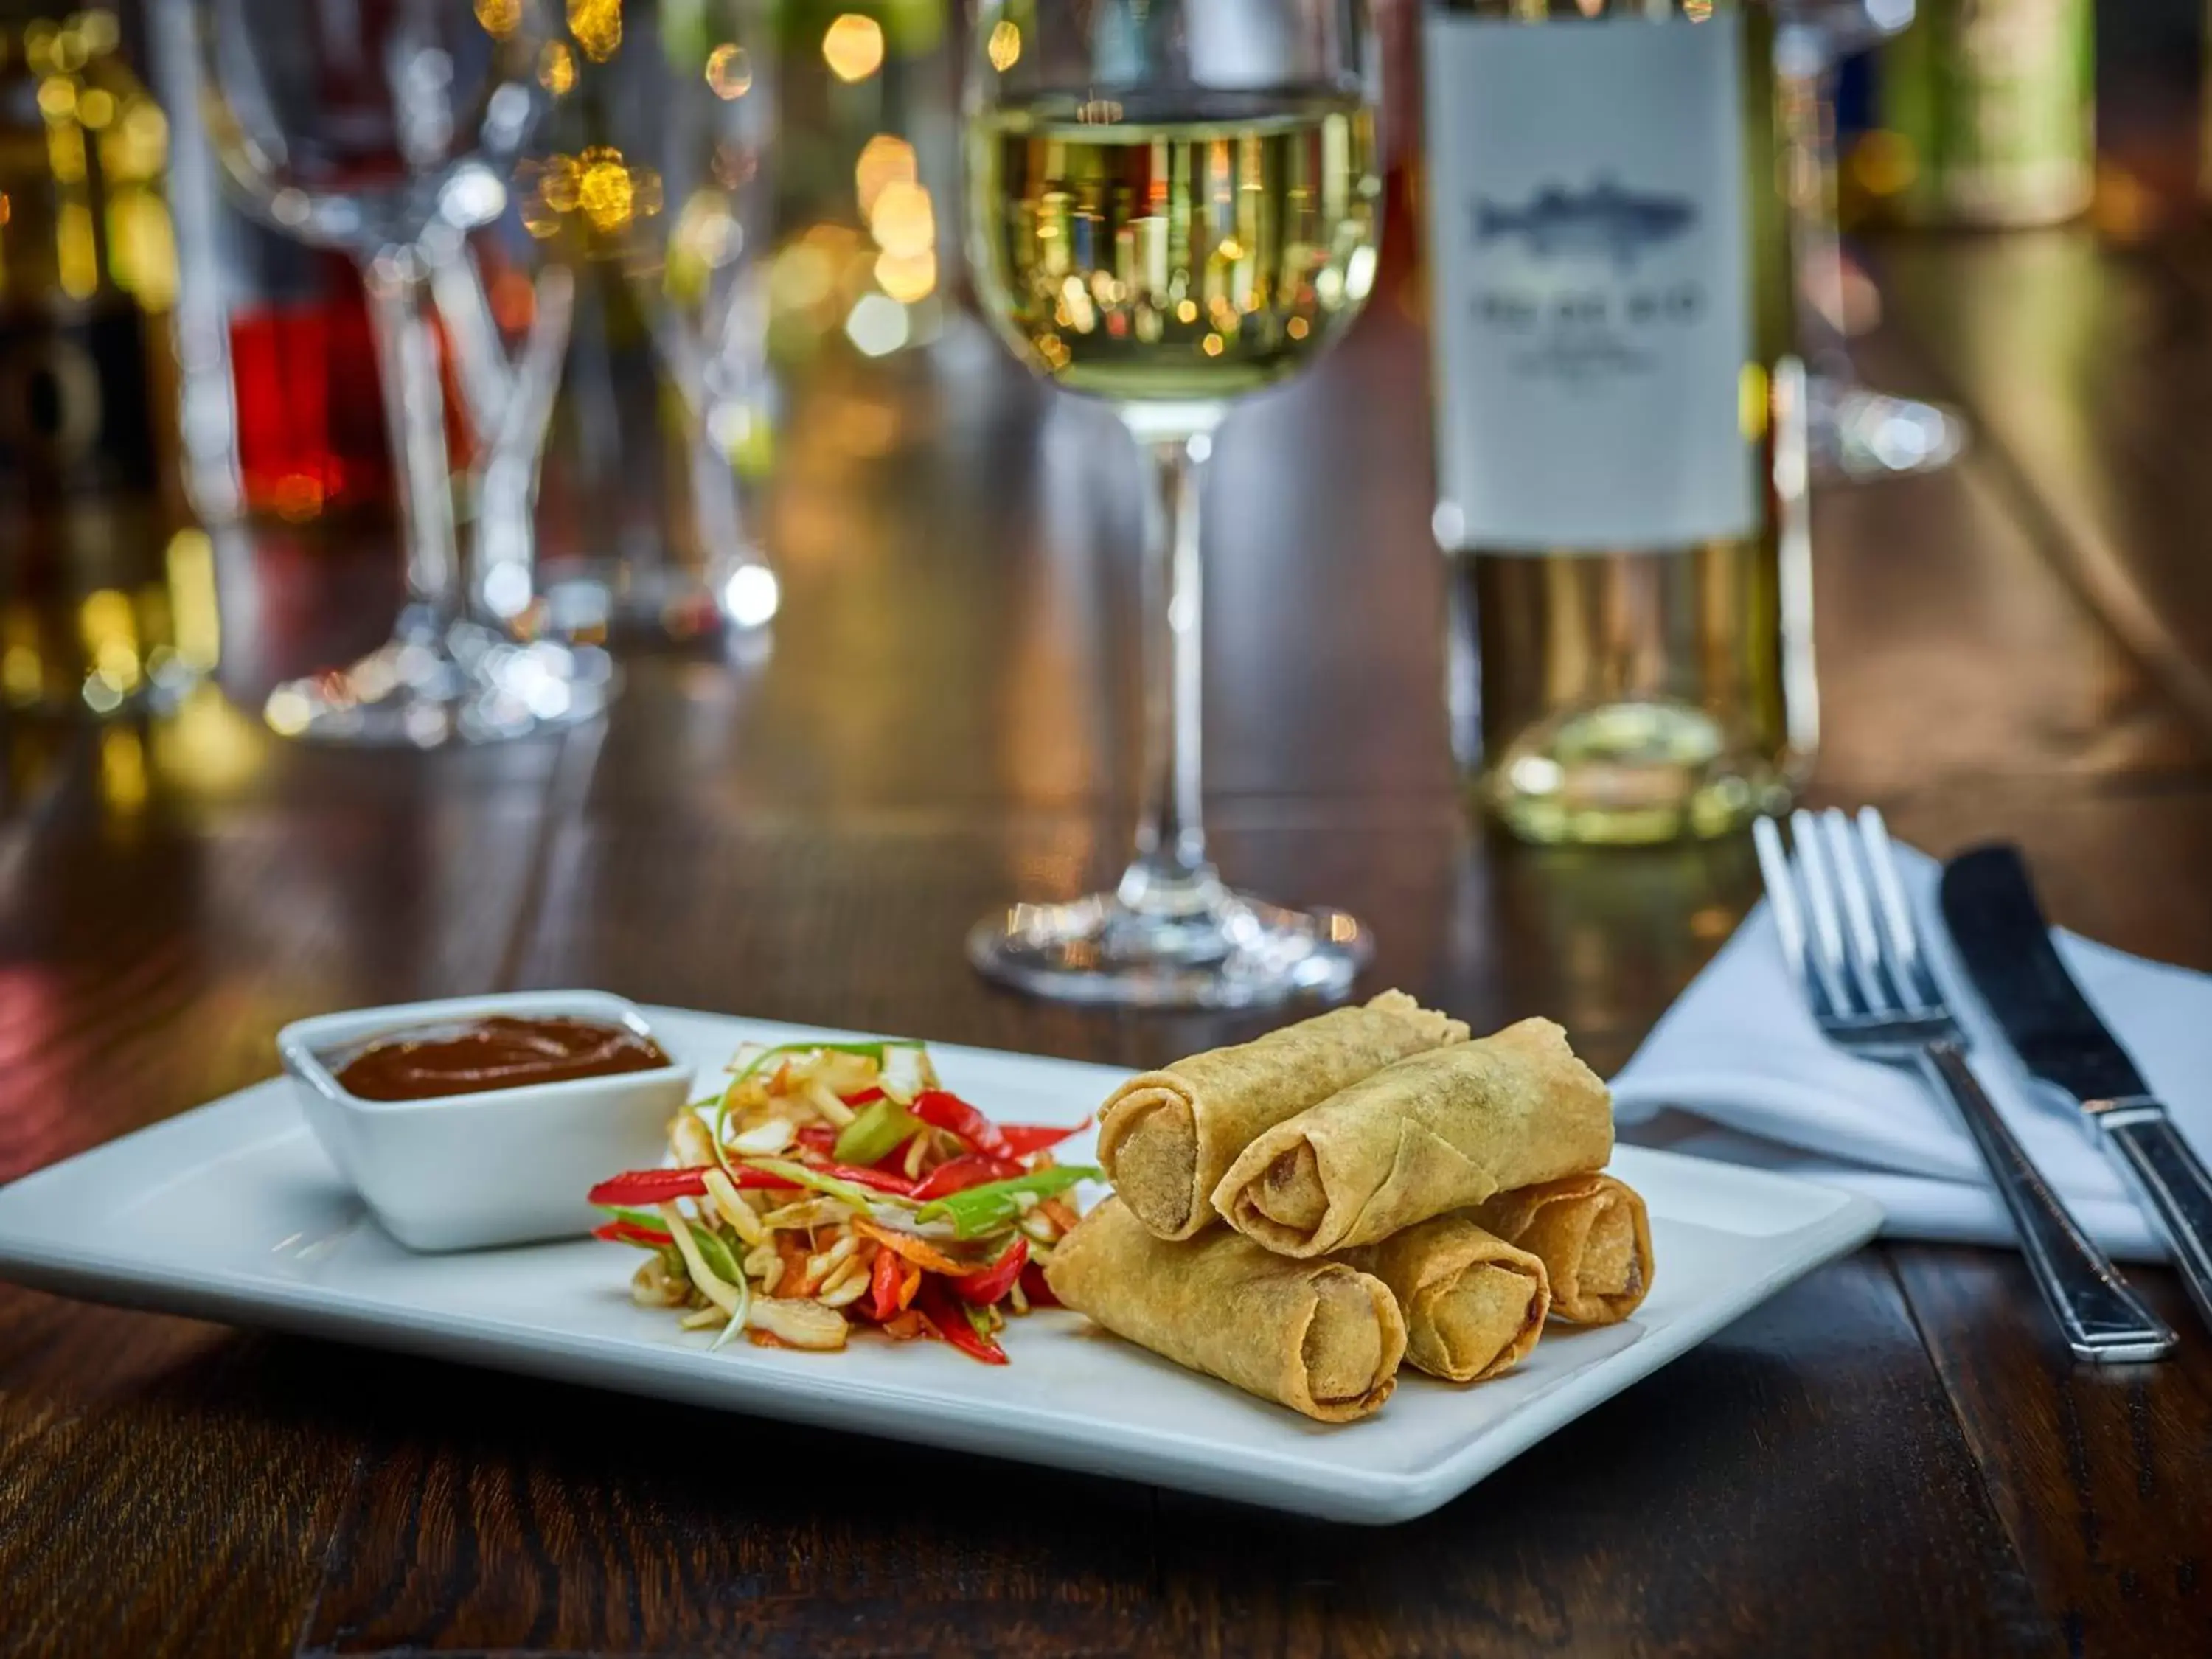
point(1172, 203)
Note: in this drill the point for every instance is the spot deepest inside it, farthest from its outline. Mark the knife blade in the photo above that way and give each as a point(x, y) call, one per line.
point(2001, 936)
point(2003, 941)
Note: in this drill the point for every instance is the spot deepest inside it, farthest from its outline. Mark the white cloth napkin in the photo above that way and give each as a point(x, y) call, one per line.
point(1737, 1070)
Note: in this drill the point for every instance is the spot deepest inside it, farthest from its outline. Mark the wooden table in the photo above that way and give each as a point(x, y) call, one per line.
point(1895, 1456)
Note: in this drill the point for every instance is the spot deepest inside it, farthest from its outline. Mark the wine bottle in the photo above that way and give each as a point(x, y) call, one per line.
point(1619, 415)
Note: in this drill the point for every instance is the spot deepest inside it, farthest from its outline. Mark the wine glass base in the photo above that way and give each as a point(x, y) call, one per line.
point(667, 603)
point(1859, 434)
point(423, 689)
point(1239, 952)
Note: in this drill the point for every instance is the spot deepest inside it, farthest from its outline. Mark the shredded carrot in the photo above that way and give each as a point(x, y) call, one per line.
point(1062, 1217)
point(919, 1251)
point(795, 1282)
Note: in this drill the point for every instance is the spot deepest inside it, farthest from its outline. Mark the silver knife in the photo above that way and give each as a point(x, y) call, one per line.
point(1989, 904)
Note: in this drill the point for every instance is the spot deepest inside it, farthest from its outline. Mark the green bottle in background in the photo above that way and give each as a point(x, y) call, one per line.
point(1993, 101)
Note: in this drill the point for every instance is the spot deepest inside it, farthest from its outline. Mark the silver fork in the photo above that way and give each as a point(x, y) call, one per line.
point(1864, 974)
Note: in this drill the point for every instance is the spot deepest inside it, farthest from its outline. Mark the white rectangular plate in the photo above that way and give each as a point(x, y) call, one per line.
point(233, 1212)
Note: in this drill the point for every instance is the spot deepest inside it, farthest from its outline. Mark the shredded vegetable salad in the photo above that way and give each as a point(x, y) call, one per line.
point(836, 1184)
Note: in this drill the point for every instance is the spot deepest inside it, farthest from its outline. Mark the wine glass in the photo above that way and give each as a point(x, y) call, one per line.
point(1854, 431)
point(385, 129)
point(1172, 203)
point(690, 103)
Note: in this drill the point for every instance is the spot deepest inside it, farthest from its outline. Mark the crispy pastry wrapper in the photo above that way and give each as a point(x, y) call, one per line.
point(1316, 1336)
point(1431, 1133)
point(1475, 1305)
point(1167, 1137)
point(1594, 1236)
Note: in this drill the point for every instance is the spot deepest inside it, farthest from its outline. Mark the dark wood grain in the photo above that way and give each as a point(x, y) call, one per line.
point(1890, 1458)
point(2100, 1472)
point(1767, 1460)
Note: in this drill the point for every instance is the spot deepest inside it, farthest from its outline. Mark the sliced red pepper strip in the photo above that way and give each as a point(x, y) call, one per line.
point(862, 1096)
point(1035, 1287)
point(955, 1175)
point(884, 1284)
point(882, 1181)
point(941, 1111)
point(818, 1138)
point(628, 1232)
point(1026, 1140)
point(986, 1285)
point(947, 1319)
point(640, 1188)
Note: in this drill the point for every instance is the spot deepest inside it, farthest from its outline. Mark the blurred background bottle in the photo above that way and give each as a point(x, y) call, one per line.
point(1620, 415)
point(1991, 106)
point(107, 594)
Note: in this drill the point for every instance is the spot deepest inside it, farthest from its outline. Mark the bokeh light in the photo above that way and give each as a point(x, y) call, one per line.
point(729, 72)
point(557, 67)
point(598, 27)
point(885, 160)
point(852, 47)
point(902, 222)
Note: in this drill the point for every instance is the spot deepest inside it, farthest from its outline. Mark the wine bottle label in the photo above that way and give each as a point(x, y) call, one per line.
point(1591, 313)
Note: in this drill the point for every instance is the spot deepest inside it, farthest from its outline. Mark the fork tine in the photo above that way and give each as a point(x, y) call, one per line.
point(1865, 950)
point(1906, 965)
point(1827, 933)
point(1782, 899)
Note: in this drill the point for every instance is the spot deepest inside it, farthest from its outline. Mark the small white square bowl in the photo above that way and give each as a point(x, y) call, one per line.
point(505, 1166)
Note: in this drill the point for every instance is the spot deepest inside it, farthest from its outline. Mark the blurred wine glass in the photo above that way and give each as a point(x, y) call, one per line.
point(386, 129)
point(683, 202)
point(1854, 431)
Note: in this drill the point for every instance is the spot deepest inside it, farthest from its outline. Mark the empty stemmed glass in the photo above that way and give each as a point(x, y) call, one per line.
point(1172, 203)
point(1855, 432)
point(692, 110)
point(374, 128)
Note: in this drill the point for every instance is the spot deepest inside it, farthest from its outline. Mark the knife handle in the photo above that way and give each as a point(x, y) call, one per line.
point(2103, 1320)
point(2152, 1152)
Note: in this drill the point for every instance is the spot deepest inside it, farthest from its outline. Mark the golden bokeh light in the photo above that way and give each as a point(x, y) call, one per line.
point(907, 277)
point(557, 67)
point(885, 160)
point(598, 27)
point(99, 31)
point(729, 72)
point(1004, 47)
point(558, 187)
point(605, 190)
point(500, 18)
point(852, 47)
point(902, 221)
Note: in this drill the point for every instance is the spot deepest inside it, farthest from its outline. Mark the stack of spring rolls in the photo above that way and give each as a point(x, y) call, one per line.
point(1300, 1215)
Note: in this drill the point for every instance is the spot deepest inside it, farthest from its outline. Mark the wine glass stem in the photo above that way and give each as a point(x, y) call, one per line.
point(1171, 875)
point(718, 514)
point(414, 415)
point(1808, 102)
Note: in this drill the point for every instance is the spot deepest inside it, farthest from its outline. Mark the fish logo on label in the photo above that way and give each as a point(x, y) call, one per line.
point(1604, 221)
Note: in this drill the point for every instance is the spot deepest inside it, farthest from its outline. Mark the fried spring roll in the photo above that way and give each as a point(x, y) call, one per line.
point(1316, 1336)
point(1594, 1236)
point(1475, 1305)
point(1435, 1133)
point(1165, 1137)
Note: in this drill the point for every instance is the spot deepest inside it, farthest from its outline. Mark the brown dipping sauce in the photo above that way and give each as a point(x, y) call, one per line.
point(473, 1057)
